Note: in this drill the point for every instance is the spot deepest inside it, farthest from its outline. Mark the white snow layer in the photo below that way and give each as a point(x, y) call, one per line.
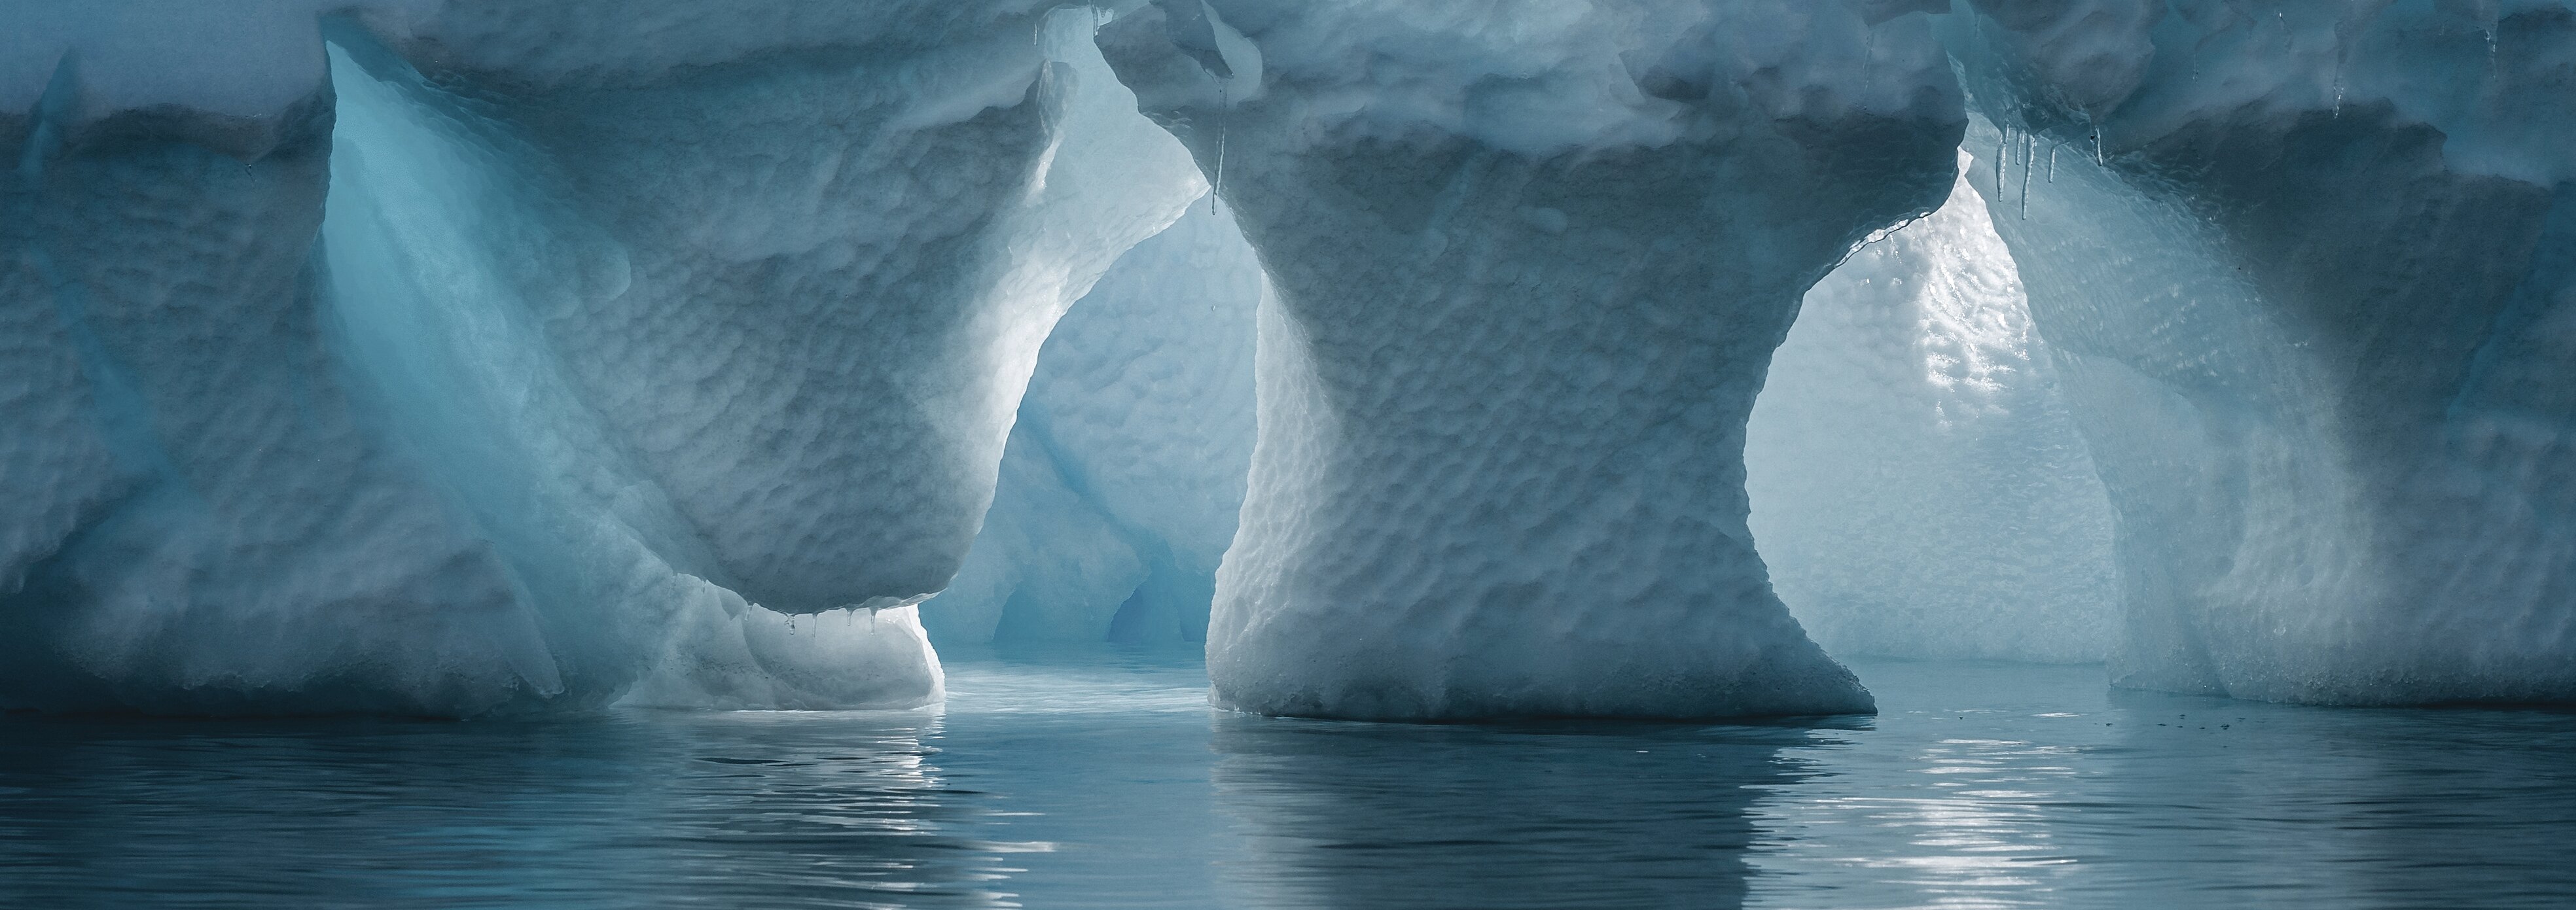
point(1919, 489)
point(622, 320)
point(2315, 312)
point(1504, 370)
point(1124, 473)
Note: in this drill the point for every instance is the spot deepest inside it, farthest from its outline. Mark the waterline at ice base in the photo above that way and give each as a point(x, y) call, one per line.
point(1305, 394)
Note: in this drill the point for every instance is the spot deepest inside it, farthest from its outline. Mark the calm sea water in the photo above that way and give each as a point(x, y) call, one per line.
point(1103, 780)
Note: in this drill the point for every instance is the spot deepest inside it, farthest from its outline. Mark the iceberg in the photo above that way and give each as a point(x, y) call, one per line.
point(1427, 362)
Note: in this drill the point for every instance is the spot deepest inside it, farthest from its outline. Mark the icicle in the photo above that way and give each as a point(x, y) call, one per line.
point(2052, 162)
point(1869, 55)
point(1223, 108)
point(2029, 157)
point(2003, 153)
point(2338, 85)
point(2493, 14)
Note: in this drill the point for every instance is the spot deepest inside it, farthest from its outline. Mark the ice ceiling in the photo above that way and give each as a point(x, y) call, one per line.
point(1425, 360)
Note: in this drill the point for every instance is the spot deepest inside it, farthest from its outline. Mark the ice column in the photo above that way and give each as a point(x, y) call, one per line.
point(1528, 262)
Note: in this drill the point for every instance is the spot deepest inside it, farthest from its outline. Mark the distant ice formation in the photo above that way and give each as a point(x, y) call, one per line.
point(1919, 488)
point(1528, 264)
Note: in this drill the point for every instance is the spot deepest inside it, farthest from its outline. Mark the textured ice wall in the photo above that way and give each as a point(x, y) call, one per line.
point(187, 479)
point(880, 199)
point(2315, 309)
point(1528, 261)
point(1918, 486)
point(437, 269)
point(1125, 470)
point(625, 309)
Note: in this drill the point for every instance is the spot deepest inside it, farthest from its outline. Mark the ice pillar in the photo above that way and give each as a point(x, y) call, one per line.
point(1529, 263)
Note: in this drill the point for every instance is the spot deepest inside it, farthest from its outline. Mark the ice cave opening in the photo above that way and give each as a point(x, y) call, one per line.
point(1919, 488)
point(1125, 470)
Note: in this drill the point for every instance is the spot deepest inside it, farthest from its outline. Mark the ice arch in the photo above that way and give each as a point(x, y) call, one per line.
point(1918, 484)
point(1125, 471)
point(1522, 300)
point(2310, 273)
point(623, 318)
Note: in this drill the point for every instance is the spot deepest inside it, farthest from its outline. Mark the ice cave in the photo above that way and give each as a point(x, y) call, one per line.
point(1288, 453)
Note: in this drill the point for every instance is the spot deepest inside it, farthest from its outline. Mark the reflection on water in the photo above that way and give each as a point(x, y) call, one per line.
point(609, 812)
point(1102, 780)
point(2001, 786)
point(1367, 815)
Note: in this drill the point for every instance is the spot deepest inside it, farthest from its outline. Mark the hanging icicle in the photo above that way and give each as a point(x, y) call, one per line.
point(2029, 160)
point(1224, 111)
point(2003, 152)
